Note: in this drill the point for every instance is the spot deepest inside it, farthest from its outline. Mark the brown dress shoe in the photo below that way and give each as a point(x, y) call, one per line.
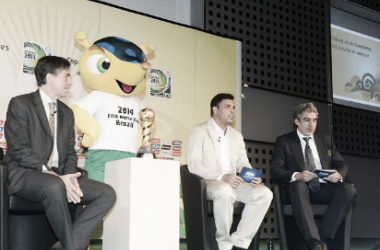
point(321, 246)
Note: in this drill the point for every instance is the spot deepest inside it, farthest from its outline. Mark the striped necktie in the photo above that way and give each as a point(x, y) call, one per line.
point(310, 165)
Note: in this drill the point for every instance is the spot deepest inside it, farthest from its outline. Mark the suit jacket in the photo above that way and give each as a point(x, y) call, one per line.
point(203, 151)
point(288, 158)
point(30, 141)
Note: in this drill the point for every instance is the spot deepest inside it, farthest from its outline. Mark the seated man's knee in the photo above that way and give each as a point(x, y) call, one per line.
point(298, 186)
point(55, 187)
point(349, 190)
point(268, 194)
point(224, 192)
point(262, 194)
point(111, 194)
point(106, 193)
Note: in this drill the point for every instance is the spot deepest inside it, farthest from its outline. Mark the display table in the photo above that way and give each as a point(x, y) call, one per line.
point(146, 213)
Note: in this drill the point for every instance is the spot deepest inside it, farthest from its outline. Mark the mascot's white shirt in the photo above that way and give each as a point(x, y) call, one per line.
point(118, 117)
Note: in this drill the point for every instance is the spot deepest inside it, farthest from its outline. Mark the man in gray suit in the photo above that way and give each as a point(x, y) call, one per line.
point(216, 152)
point(42, 160)
point(295, 157)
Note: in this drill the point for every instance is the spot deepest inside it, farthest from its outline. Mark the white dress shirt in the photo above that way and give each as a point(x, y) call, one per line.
point(225, 160)
point(313, 147)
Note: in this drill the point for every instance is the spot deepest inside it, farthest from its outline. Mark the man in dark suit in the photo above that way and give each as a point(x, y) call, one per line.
point(42, 160)
point(290, 167)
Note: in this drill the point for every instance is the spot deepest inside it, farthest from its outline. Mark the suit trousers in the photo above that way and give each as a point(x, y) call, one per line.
point(339, 196)
point(257, 201)
point(51, 192)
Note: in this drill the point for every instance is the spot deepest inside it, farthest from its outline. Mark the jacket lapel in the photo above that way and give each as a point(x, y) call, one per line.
point(214, 139)
point(321, 151)
point(60, 117)
point(296, 148)
point(41, 113)
point(232, 146)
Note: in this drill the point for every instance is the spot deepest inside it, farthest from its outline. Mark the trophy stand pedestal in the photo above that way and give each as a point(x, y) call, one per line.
point(146, 213)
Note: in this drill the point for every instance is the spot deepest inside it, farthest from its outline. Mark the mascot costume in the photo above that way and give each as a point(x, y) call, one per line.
point(115, 69)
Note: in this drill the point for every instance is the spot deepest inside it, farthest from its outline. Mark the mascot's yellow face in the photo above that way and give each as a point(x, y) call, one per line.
point(114, 65)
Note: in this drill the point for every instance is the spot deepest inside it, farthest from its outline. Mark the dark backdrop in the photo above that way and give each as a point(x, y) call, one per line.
point(286, 61)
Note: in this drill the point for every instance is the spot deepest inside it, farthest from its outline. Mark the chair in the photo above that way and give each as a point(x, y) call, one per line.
point(23, 224)
point(199, 220)
point(290, 236)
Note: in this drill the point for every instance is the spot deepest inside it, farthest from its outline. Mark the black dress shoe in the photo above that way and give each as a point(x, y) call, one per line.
point(56, 246)
point(238, 248)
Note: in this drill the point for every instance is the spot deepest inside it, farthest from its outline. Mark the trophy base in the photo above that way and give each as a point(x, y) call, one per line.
point(146, 153)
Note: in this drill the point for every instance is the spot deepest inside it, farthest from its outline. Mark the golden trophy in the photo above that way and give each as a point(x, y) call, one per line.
point(146, 117)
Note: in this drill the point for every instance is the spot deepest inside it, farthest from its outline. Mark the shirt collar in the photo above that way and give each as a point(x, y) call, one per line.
point(301, 136)
point(219, 131)
point(45, 98)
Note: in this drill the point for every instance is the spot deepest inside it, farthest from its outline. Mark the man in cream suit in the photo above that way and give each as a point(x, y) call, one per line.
point(216, 152)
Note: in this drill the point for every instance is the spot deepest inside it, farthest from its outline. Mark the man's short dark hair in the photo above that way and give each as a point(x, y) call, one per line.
point(49, 64)
point(218, 98)
point(308, 107)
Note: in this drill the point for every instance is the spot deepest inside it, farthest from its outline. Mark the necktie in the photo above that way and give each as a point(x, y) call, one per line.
point(310, 165)
point(51, 124)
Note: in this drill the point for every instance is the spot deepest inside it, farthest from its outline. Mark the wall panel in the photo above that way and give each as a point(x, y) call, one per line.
point(284, 42)
point(267, 114)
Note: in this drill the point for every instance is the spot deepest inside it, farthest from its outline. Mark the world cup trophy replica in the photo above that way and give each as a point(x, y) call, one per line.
point(146, 117)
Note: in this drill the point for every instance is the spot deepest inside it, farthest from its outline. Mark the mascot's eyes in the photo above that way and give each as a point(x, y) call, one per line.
point(98, 64)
